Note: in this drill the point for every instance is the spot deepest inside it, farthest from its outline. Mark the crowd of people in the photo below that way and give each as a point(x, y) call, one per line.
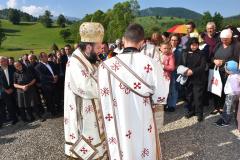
point(169, 68)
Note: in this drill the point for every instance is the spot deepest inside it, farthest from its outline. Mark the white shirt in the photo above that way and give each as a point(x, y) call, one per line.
point(118, 51)
point(49, 67)
point(6, 74)
point(232, 85)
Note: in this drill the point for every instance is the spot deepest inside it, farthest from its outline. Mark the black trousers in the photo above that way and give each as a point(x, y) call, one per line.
point(49, 94)
point(9, 100)
point(2, 112)
point(195, 97)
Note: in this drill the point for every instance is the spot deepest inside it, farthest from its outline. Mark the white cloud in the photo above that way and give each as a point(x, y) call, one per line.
point(34, 10)
point(11, 3)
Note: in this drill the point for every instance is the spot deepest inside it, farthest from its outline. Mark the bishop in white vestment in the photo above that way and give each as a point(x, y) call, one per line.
point(84, 136)
point(129, 86)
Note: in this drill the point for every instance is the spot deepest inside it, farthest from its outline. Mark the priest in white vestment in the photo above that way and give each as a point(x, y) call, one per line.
point(130, 85)
point(83, 126)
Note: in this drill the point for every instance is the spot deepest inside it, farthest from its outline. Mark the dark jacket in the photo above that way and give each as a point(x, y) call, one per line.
point(11, 71)
point(197, 63)
point(44, 75)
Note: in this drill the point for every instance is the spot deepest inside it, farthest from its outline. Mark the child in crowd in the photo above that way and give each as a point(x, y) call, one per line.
point(194, 60)
point(232, 91)
point(168, 61)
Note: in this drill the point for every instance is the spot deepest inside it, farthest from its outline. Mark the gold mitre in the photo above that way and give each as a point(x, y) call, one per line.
point(91, 32)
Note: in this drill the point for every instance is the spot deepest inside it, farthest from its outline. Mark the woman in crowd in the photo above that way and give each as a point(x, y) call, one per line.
point(228, 49)
point(195, 63)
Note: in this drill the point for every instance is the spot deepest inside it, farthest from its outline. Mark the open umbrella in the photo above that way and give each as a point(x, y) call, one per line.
point(178, 29)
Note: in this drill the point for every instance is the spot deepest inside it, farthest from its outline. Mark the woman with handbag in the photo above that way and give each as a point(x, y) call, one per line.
point(228, 49)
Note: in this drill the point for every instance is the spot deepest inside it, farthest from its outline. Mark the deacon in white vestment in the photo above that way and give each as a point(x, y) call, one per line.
point(83, 124)
point(129, 86)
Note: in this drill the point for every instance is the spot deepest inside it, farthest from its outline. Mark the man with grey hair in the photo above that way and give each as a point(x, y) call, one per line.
point(8, 95)
point(119, 48)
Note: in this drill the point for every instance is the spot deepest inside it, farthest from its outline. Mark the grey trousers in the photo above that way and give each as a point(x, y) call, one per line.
point(231, 102)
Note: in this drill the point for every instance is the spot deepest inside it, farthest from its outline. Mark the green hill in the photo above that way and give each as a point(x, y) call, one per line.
point(29, 36)
point(170, 12)
point(157, 23)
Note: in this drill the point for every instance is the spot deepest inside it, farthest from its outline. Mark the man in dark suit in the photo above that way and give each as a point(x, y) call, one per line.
point(6, 73)
point(48, 78)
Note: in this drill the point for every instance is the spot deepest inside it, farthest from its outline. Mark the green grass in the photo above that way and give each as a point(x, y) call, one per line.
point(29, 36)
point(152, 23)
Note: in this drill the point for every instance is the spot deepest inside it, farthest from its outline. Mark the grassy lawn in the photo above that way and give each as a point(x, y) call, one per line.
point(163, 23)
point(29, 36)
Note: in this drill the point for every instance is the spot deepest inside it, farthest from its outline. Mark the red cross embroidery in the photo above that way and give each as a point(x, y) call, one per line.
point(102, 66)
point(109, 117)
point(71, 107)
point(65, 121)
point(146, 101)
point(160, 99)
point(214, 81)
point(104, 91)
point(129, 134)
point(137, 85)
point(148, 68)
point(89, 109)
point(84, 73)
point(84, 150)
point(116, 66)
point(90, 139)
point(126, 89)
point(145, 152)
point(150, 129)
point(82, 92)
point(112, 140)
point(72, 136)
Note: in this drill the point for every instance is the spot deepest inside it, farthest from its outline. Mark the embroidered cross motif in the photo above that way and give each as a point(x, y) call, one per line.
point(137, 85)
point(126, 89)
point(148, 68)
point(84, 73)
point(145, 152)
point(112, 140)
point(146, 101)
point(71, 107)
point(89, 109)
point(102, 66)
point(109, 117)
point(116, 66)
point(214, 81)
point(83, 150)
point(90, 139)
point(65, 121)
point(72, 136)
point(160, 99)
point(150, 128)
point(81, 91)
point(104, 91)
point(129, 134)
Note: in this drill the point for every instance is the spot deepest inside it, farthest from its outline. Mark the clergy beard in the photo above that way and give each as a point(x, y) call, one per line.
point(92, 58)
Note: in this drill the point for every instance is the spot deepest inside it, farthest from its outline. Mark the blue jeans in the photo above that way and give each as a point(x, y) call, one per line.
point(231, 102)
point(173, 92)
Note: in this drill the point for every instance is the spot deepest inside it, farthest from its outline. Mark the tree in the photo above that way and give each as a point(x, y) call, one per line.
point(65, 34)
point(61, 20)
point(134, 7)
point(218, 19)
point(46, 19)
point(14, 16)
point(2, 35)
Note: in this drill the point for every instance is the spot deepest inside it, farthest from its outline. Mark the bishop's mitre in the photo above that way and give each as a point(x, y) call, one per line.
point(91, 32)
